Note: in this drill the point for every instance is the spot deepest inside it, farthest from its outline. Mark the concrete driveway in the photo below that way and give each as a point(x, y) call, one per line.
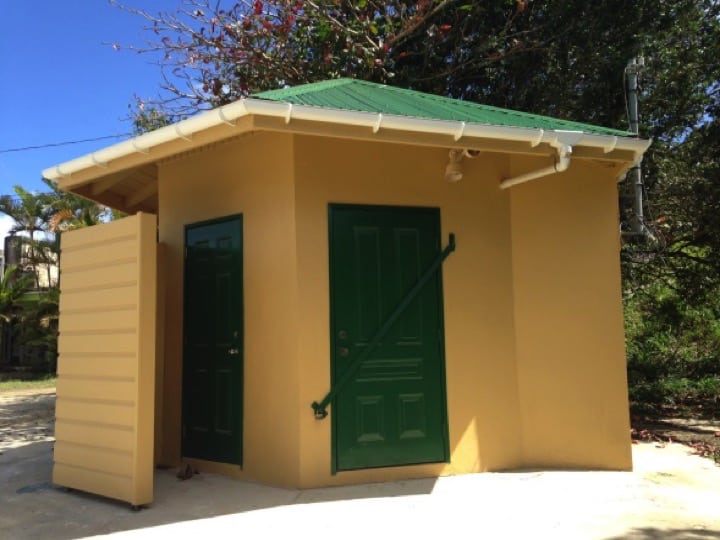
point(670, 495)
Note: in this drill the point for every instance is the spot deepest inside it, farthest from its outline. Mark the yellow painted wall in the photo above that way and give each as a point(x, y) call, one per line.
point(514, 293)
point(251, 175)
point(477, 281)
point(568, 317)
point(106, 365)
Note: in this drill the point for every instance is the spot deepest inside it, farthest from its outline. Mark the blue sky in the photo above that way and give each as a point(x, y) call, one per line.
point(62, 80)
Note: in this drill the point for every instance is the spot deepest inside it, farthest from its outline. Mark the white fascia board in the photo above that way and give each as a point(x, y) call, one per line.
point(230, 113)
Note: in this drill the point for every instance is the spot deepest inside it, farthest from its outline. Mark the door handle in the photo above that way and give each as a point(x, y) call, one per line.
point(233, 351)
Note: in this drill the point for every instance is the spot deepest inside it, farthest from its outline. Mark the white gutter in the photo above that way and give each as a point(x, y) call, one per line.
point(563, 146)
point(562, 163)
point(229, 114)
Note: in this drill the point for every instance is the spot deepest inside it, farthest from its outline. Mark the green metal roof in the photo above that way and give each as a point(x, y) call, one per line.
point(364, 96)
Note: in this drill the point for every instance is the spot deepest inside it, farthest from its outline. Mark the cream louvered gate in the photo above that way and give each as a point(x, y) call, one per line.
point(106, 365)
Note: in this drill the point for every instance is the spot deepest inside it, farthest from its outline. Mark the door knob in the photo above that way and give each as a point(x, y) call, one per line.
point(343, 351)
point(233, 351)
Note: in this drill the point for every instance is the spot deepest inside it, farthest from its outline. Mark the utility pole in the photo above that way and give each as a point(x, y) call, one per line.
point(631, 73)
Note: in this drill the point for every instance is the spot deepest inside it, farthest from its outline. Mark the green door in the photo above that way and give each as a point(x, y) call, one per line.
point(393, 411)
point(213, 349)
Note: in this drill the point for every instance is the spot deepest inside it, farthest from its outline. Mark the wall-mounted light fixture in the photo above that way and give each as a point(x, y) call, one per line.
point(453, 170)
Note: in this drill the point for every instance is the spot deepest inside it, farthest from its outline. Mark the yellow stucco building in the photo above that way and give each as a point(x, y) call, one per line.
point(286, 303)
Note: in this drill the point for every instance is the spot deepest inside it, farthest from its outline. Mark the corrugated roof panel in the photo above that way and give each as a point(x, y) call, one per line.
point(364, 96)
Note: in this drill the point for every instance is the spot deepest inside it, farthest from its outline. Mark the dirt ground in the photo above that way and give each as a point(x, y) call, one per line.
point(702, 435)
point(671, 494)
point(26, 416)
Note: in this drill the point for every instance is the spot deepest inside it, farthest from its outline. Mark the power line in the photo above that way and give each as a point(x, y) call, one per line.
point(64, 143)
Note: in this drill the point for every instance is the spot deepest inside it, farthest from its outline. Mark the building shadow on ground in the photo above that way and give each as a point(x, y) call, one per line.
point(33, 507)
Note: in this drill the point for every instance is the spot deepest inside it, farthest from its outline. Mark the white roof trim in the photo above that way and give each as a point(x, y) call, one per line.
point(229, 114)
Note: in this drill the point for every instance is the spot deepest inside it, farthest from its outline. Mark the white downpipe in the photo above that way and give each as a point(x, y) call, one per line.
point(561, 164)
point(229, 114)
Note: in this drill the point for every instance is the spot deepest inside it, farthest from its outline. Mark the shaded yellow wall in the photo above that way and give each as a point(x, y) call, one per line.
point(251, 175)
point(106, 364)
point(568, 319)
point(477, 281)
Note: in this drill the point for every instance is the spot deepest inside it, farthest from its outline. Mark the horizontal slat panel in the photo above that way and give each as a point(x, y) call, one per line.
point(103, 255)
point(107, 343)
point(91, 457)
point(105, 233)
point(94, 278)
point(69, 409)
point(102, 445)
point(116, 487)
point(100, 320)
point(95, 435)
point(75, 246)
point(122, 296)
point(90, 389)
point(97, 366)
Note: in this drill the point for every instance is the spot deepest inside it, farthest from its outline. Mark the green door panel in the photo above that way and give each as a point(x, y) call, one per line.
point(213, 342)
point(393, 412)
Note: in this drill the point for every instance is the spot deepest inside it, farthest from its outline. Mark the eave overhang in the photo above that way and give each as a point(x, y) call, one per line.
point(124, 175)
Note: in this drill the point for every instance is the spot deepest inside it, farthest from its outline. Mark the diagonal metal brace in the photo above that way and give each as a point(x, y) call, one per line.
point(320, 409)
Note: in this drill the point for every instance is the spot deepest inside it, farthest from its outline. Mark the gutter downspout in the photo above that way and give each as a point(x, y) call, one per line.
point(562, 162)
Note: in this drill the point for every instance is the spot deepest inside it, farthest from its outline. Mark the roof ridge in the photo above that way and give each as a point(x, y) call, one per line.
point(303, 88)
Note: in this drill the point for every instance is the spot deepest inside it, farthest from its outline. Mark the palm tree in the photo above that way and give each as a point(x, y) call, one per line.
point(28, 210)
point(49, 213)
point(30, 214)
point(69, 211)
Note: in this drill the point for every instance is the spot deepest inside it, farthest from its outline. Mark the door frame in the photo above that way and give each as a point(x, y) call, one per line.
point(445, 428)
point(232, 217)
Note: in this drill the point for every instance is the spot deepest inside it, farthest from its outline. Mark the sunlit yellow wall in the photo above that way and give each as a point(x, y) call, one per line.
point(251, 175)
point(568, 319)
point(477, 280)
point(106, 364)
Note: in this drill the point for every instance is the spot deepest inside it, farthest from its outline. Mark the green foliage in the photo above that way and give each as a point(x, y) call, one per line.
point(68, 211)
point(38, 329)
point(673, 351)
point(566, 59)
point(12, 385)
point(28, 211)
point(13, 286)
point(148, 118)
